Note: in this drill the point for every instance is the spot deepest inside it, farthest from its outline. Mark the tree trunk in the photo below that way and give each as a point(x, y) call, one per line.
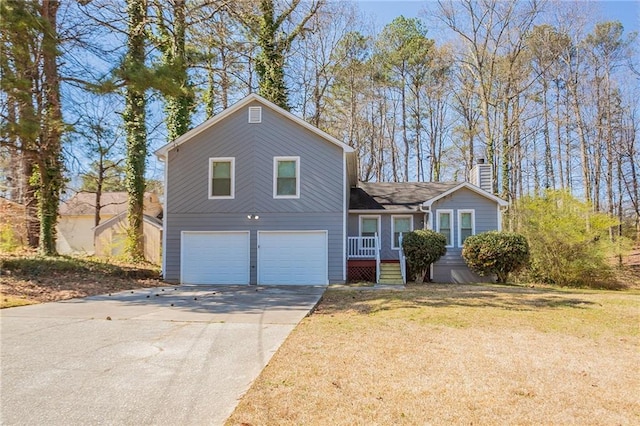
point(135, 125)
point(549, 177)
point(584, 149)
point(50, 162)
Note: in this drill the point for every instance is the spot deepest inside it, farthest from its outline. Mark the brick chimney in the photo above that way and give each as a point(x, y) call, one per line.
point(481, 175)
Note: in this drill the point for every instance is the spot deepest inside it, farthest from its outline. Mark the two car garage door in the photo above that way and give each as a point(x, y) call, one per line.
point(283, 257)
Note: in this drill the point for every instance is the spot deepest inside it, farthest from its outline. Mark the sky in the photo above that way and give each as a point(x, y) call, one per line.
point(384, 11)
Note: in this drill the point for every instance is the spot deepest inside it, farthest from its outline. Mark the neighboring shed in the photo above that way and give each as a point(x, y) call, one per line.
point(111, 234)
point(77, 218)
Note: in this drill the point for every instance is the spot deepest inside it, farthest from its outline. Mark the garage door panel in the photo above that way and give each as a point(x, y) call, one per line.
point(292, 258)
point(215, 258)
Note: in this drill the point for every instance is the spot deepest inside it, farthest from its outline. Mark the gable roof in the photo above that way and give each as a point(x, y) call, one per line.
point(84, 203)
point(121, 216)
point(161, 153)
point(407, 196)
point(471, 187)
point(112, 203)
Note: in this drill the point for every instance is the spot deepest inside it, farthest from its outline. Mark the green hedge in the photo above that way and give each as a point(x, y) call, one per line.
point(497, 253)
point(422, 248)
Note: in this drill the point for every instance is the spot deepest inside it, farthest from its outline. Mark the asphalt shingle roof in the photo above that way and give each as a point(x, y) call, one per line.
point(395, 195)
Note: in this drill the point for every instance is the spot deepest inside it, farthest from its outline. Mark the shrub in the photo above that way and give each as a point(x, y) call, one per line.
point(570, 243)
point(497, 253)
point(8, 241)
point(422, 248)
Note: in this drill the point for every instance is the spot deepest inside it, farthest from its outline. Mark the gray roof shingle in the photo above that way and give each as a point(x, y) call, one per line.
point(395, 195)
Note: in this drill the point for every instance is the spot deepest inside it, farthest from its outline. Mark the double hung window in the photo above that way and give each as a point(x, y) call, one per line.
point(466, 225)
point(221, 178)
point(444, 225)
point(286, 177)
point(400, 225)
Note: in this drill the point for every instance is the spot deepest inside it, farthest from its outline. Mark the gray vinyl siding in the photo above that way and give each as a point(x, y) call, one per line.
point(386, 252)
point(451, 267)
point(254, 145)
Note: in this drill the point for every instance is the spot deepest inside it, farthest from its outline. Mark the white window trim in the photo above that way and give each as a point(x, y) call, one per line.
point(275, 177)
point(473, 223)
point(232, 160)
point(255, 114)
point(393, 230)
point(450, 211)
point(368, 216)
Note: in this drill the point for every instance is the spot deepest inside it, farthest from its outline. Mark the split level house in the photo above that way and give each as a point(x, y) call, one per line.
point(255, 195)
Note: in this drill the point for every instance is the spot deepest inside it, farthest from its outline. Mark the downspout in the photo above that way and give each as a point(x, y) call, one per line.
point(163, 249)
point(427, 225)
point(427, 216)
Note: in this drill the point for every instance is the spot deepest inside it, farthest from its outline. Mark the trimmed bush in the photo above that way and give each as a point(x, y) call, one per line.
point(497, 253)
point(422, 248)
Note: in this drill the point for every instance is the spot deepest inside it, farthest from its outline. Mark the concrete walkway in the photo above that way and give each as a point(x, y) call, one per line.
point(162, 356)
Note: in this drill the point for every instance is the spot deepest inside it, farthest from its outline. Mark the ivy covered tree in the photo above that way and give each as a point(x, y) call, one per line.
point(269, 27)
point(171, 27)
point(135, 74)
point(33, 127)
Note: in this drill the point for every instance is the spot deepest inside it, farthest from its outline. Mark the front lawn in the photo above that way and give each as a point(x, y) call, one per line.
point(456, 354)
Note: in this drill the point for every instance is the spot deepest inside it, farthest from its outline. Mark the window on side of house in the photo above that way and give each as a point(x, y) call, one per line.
point(221, 178)
point(369, 226)
point(400, 225)
point(286, 177)
point(466, 225)
point(444, 225)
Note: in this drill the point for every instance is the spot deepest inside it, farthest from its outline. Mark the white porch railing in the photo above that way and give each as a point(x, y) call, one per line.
point(403, 261)
point(362, 247)
point(365, 248)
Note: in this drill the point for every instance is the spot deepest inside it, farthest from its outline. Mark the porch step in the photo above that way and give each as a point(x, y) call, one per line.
point(390, 273)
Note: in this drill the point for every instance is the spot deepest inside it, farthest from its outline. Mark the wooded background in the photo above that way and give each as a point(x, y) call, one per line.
point(538, 89)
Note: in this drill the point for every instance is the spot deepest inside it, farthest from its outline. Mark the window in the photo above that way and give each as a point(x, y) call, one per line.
point(443, 225)
point(466, 225)
point(286, 173)
point(369, 226)
point(221, 178)
point(400, 224)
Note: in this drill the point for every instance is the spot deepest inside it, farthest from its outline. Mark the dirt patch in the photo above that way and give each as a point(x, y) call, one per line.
point(27, 279)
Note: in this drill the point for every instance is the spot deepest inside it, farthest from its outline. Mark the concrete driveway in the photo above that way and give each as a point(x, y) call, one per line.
point(162, 356)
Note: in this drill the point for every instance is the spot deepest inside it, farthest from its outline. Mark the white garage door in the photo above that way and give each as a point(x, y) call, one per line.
point(215, 258)
point(298, 257)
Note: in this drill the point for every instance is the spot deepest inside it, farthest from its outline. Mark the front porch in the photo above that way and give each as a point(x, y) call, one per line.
point(364, 262)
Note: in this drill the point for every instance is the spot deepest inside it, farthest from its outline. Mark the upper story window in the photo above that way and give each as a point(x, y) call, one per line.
point(444, 219)
point(466, 225)
point(400, 225)
point(286, 177)
point(221, 178)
